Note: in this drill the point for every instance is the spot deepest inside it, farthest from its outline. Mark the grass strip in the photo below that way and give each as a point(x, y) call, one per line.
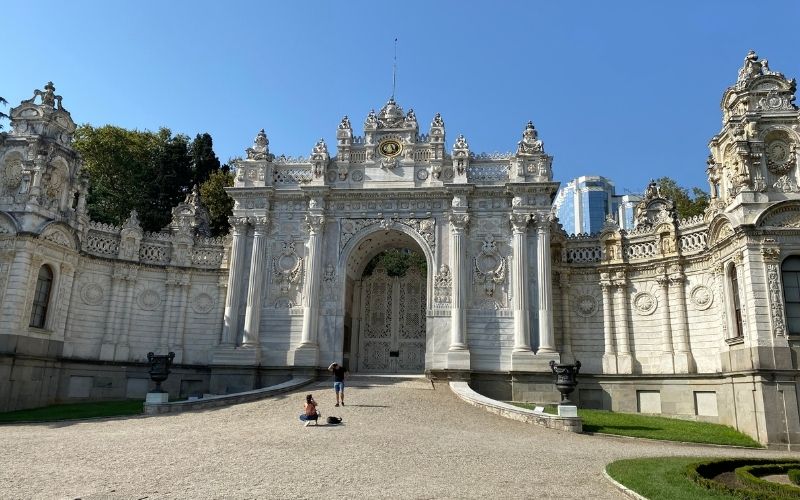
point(794, 476)
point(661, 478)
point(74, 411)
point(654, 427)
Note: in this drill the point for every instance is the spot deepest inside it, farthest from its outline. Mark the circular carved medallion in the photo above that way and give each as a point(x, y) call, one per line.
point(448, 174)
point(202, 303)
point(357, 175)
point(702, 297)
point(645, 303)
point(422, 174)
point(92, 294)
point(331, 176)
point(390, 148)
point(586, 306)
point(148, 300)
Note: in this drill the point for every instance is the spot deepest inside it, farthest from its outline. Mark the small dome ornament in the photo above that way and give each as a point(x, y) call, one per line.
point(530, 143)
point(260, 149)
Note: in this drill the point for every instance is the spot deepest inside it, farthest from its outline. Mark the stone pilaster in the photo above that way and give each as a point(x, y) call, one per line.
point(458, 357)
point(624, 357)
point(667, 357)
point(609, 349)
point(255, 294)
point(166, 318)
point(182, 282)
point(307, 354)
point(522, 356)
point(230, 328)
point(684, 361)
point(107, 345)
point(122, 348)
point(545, 282)
point(566, 325)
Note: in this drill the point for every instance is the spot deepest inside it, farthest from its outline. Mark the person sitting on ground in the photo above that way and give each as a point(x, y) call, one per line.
point(310, 413)
point(339, 373)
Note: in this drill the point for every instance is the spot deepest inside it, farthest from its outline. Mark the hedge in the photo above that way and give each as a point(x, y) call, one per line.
point(701, 472)
point(751, 476)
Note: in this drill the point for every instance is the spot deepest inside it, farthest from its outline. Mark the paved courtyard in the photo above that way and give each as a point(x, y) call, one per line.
point(400, 439)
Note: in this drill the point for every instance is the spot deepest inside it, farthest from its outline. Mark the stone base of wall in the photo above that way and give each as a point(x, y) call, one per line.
point(763, 405)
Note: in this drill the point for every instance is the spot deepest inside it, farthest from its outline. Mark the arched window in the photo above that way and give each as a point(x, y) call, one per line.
point(41, 298)
point(736, 304)
point(790, 272)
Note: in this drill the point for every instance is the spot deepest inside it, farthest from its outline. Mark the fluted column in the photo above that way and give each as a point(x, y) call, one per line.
point(609, 349)
point(684, 362)
point(166, 318)
point(667, 365)
point(519, 281)
point(458, 251)
point(122, 349)
point(252, 317)
point(315, 224)
point(230, 326)
point(107, 345)
point(545, 283)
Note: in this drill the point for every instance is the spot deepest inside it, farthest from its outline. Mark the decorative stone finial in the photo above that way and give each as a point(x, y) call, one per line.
point(132, 222)
point(460, 145)
point(345, 124)
point(260, 149)
point(437, 121)
point(530, 142)
point(49, 96)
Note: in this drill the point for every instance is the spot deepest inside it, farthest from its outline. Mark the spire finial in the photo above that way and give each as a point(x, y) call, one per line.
point(394, 69)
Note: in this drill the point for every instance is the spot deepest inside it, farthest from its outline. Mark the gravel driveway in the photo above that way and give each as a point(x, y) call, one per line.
point(399, 439)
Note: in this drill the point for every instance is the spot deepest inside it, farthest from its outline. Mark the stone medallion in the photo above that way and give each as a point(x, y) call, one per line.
point(148, 300)
point(645, 303)
point(702, 297)
point(586, 306)
point(422, 174)
point(92, 294)
point(202, 303)
point(331, 176)
point(357, 175)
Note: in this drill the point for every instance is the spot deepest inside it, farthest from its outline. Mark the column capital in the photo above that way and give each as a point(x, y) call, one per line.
point(458, 222)
point(259, 223)
point(519, 222)
point(771, 254)
point(315, 223)
point(239, 224)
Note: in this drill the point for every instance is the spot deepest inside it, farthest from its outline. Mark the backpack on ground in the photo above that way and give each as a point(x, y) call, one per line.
point(334, 420)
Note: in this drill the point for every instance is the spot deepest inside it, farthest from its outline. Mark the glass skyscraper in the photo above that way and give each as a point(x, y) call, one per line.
point(582, 204)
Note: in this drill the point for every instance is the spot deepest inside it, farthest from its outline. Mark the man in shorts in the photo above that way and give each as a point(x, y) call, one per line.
point(339, 373)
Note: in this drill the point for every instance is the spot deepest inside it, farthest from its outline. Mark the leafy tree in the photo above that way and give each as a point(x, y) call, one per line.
point(130, 169)
point(3, 115)
point(204, 161)
point(686, 205)
point(217, 201)
point(397, 261)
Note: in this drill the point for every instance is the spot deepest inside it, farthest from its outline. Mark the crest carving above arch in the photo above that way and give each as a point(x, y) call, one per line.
point(782, 215)
point(8, 226)
point(60, 234)
point(719, 229)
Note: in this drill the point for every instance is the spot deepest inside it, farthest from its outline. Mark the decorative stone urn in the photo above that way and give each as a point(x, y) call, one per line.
point(159, 368)
point(566, 379)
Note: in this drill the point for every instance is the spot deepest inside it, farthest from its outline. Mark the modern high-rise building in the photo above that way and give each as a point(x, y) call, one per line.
point(582, 205)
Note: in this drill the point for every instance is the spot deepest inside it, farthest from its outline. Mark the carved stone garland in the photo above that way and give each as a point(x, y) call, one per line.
point(490, 271)
point(286, 272)
point(771, 258)
point(442, 287)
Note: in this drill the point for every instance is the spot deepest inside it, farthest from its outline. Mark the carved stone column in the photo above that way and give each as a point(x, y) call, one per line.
point(166, 318)
point(181, 304)
point(667, 362)
point(307, 353)
point(684, 362)
point(230, 326)
point(624, 358)
point(609, 349)
point(545, 282)
point(458, 355)
point(519, 281)
point(122, 349)
point(255, 294)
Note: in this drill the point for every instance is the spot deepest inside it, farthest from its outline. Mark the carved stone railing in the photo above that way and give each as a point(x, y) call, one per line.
point(103, 240)
point(691, 222)
point(358, 156)
point(487, 173)
point(581, 249)
point(291, 174)
point(495, 155)
point(695, 241)
point(423, 154)
point(646, 249)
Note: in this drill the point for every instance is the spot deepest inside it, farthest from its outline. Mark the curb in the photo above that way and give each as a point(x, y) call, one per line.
point(629, 492)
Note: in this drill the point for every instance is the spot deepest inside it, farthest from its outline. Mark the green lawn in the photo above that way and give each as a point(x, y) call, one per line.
point(661, 478)
point(74, 411)
point(662, 428)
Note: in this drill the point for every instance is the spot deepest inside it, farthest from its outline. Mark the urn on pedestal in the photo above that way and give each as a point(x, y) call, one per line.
point(566, 380)
point(159, 371)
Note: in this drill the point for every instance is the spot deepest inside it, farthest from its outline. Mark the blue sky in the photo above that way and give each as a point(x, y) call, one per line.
point(629, 90)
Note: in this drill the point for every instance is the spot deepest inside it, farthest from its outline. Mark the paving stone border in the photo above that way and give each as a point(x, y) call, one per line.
point(226, 399)
point(465, 392)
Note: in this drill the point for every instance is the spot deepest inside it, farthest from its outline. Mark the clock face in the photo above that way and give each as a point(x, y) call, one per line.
point(390, 148)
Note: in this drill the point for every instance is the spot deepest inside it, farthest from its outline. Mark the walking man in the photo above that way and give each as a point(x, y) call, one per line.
point(339, 373)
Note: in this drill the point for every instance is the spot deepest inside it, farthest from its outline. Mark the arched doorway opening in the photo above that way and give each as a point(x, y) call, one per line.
point(386, 298)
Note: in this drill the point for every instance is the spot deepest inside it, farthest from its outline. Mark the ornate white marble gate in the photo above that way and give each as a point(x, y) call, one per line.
point(392, 336)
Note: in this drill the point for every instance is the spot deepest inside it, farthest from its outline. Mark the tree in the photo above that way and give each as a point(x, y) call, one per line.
point(3, 115)
point(204, 161)
point(217, 201)
point(686, 205)
point(130, 169)
point(397, 261)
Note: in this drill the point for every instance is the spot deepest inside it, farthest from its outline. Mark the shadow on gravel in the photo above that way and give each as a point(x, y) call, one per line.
point(369, 406)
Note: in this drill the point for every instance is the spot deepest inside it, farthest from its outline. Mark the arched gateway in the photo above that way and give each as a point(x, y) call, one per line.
point(305, 229)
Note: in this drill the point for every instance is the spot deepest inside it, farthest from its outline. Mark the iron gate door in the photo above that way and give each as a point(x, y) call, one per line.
point(392, 336)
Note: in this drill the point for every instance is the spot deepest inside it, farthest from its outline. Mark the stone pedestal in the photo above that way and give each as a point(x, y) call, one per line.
point(240, 356)
point(458, 360)
point(523, 361)
point(107, 352)
point(567, 411)
point(683, 362)
point(305, 355)
point(624, 363)
point(609, 363)
point(157, 397)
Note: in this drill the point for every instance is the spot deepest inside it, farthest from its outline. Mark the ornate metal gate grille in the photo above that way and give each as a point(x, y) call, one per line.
point(392, 336)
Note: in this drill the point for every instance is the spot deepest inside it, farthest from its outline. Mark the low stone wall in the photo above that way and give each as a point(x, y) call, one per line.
point(465, 392)
point(226, 399)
